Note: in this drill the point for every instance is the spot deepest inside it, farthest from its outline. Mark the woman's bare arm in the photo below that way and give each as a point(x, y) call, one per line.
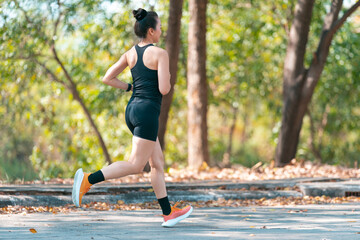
point(110, 76)
point(164, 73)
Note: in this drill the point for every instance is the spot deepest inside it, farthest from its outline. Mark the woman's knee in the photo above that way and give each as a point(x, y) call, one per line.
point(137, 168)
point(157, 163)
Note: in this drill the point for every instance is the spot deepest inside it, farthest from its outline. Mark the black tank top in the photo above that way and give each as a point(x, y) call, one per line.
point(145, 80)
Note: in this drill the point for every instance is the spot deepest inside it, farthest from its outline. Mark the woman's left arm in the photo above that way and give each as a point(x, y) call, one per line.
point(110, 76)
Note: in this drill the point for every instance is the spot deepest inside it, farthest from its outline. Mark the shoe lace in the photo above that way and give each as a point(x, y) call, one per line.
point(175, 208)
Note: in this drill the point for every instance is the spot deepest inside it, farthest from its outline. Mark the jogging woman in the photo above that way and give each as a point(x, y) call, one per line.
point(151, 79)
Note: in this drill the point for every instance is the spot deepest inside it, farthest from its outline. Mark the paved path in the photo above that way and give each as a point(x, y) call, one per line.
point(322, 222)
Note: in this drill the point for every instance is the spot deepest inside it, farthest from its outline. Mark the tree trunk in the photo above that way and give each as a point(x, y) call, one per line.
point(226, 161)
point(173, 48)
point(197, 85)
point(245, 117)
point(299, 83)
point(73, 89)
point(77, 97)
point(71, 86)
point(316, 148)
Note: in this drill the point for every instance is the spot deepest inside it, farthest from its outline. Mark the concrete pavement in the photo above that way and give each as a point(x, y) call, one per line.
point(320, 222)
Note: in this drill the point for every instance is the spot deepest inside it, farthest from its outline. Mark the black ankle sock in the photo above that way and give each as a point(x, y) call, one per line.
point(96, 177)
point(165, 205)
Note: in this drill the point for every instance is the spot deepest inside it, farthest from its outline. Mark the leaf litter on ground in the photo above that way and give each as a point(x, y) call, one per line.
point(220, 203)
point(260, 171)
point(297, 169)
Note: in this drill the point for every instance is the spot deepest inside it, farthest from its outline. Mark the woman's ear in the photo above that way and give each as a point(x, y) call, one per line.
point(151, 31)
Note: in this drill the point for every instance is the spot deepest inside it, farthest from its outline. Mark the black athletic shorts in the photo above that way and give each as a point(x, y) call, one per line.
point(142, 118)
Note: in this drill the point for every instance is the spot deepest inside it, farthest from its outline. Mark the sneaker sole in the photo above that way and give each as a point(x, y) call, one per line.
point(172, 222)
point(79, 175)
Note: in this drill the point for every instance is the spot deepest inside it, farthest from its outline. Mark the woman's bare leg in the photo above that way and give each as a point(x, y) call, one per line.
point(141, 151)
point(157, 171)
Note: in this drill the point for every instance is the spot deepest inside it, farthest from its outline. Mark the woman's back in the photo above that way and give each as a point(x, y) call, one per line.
point(143, 64)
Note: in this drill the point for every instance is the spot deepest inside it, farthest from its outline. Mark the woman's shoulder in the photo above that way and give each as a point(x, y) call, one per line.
point(157, 50)
point(130, 51)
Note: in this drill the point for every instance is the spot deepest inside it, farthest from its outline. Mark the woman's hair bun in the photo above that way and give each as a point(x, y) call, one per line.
point(139, 14)
point(144, 21)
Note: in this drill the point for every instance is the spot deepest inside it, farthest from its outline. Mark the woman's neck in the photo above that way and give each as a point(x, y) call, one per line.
point(145, 42)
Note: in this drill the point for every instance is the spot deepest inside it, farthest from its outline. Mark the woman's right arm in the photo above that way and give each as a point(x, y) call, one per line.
point(164, 72)
point(110, 76)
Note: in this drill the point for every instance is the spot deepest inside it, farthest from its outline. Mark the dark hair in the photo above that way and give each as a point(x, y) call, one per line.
point(144, 21)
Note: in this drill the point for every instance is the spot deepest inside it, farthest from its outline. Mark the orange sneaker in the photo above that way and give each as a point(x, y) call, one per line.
point(176, 215)
point(80, 187)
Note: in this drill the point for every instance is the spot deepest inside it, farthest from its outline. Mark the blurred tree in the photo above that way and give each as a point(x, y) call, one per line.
point(299, 82)
point(173, 48)
point(34, 37)
point(197, 85)
point(331, 130)
point(246, 45)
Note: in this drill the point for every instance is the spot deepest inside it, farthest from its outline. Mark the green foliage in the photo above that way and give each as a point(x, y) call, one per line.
point(44, 132)
point(339, 91)
point(62, 139)
point(247, 47)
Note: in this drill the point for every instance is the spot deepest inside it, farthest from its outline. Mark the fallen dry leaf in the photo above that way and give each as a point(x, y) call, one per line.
point(102, 206)
point(33, 230)
point(297, 169)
